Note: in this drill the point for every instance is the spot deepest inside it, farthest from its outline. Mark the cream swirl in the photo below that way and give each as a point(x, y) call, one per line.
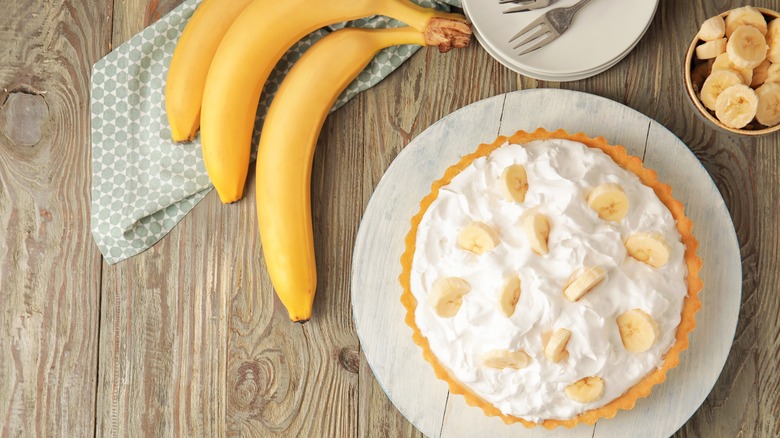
point(560, 174)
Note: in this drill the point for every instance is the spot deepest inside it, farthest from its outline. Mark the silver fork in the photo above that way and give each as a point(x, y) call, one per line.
point(551, 25)
point(525, 5)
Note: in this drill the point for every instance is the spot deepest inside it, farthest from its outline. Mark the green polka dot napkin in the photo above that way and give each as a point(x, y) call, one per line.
point(142, 183)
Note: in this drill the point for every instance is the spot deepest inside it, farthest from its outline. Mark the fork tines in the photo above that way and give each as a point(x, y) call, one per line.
point(539, 32)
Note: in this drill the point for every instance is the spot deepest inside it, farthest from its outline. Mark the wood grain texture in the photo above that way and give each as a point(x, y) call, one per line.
point(163, 323)
point(49, 265)
point(189, 339)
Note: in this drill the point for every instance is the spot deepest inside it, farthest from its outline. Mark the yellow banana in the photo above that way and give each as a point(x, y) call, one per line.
point(284, 158)
point(190, 64)
point(250, 49)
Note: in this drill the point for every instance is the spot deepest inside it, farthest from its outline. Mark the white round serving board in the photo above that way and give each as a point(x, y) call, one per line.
point(386, 340)
point(602, 32)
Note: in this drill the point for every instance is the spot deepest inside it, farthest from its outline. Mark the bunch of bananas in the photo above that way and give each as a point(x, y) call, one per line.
point(221, 63)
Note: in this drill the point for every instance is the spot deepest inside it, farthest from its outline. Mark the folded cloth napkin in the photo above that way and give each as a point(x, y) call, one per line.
point(142, 182)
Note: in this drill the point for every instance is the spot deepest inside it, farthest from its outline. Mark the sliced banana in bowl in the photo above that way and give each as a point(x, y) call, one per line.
point(740, 43)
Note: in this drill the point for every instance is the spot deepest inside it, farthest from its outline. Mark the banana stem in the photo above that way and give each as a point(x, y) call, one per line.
point(411, 14)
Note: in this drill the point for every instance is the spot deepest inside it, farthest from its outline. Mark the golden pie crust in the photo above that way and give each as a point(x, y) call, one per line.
point(690, 306)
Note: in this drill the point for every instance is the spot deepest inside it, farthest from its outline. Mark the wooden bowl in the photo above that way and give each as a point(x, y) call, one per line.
point(752, 129)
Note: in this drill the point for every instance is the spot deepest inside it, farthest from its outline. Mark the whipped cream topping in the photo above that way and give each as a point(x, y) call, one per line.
point(561, 173)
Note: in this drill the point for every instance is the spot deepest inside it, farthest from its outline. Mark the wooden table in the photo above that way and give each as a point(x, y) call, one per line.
point(188, 338)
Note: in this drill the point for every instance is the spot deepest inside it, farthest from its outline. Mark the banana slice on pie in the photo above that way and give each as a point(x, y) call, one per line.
point(555, 350)
point(583, 281)
point(514, 183)
point(586, 390)
point(501, 359)
point(446, 295)
point(478, 237)
point(609, 201)
point(509, 295)
point(537, 230)
point(638, 330)
point(650, 248)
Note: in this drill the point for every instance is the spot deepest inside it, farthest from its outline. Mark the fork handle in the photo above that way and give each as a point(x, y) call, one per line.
point(565, 16)
point(576, 7)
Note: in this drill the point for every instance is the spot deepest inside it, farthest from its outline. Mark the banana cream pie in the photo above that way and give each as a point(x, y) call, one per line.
point(551, 279)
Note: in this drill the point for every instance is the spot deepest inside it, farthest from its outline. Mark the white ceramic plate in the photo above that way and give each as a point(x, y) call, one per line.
point(542, 76)
point(602, 32)
point(379, 316)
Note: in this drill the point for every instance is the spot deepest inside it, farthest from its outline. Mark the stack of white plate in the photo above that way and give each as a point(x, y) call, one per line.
point(603, 32)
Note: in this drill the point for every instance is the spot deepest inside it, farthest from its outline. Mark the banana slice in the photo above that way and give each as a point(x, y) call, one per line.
point(609, 201)
point(712, 29)
point(773, 73)
point(768, 111)
point(478, 238)
point(537, 229)
point(446, 295)
point(760, 74)
point(648, 248)
point(514, 183)
point(509, 295)
point(501, 359)
point(583, 281)
point(711, 49)
point(746, 47)
point(555, 350)
point(638, 330)
point(723, 62)
point(718, 81)
point(745, 15)
point(736, 106)
point(773, 41)
point(586, 390)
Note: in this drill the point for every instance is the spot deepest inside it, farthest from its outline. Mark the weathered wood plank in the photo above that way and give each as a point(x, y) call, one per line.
point(285, 379)
point(163, 325)
point(49, 266)
point(768, 326)
point(162, 347)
